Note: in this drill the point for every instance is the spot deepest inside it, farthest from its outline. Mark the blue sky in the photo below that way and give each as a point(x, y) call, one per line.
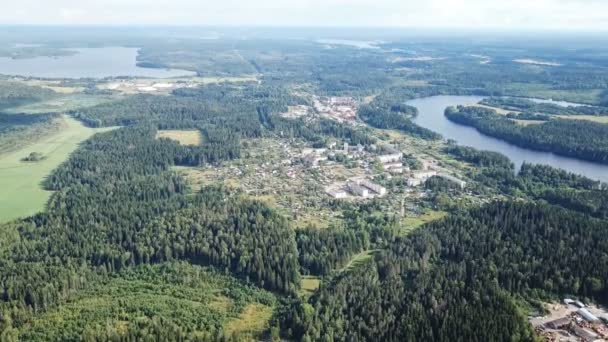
point(497, 14)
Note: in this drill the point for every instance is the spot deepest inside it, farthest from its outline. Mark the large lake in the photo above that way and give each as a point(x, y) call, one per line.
point(431, 116)
point(86, 63)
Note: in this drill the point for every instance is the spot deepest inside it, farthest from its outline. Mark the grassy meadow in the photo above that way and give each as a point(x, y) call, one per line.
point(20, 181)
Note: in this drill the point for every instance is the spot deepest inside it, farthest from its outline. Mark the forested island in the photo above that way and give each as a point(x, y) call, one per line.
point(575, 138)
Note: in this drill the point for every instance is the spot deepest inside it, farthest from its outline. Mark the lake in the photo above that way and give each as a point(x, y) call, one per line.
point(87, 63)
point(431, 116)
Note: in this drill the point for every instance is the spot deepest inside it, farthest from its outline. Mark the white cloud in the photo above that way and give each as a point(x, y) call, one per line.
point(515, 14)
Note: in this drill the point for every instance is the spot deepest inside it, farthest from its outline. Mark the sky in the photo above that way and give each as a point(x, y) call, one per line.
point(583, 15)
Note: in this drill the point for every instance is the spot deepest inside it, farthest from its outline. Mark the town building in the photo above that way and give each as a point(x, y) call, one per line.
point(337, 194)
point(358, 190)
point(424, 175)
point(389, 166)
point(390, 158)
point(373, 186)
point(414, 182)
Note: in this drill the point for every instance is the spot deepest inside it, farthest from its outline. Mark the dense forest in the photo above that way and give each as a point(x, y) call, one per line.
point(14, 94)
point(574, 138)
point(529, 106)
point(456, 278)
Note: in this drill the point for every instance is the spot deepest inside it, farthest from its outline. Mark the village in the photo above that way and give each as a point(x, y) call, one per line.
point(572, 320)
point(306, 183)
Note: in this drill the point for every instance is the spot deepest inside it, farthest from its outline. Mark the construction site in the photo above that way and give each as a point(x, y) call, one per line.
point(572, 320)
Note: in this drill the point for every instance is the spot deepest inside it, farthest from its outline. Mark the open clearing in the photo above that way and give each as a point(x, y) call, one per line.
point(63, 104)
point(252, 321)
point(309, 285)
point(22, 194)
point(189, 137)
point(412, 222)
point(594, 118)
point(359, 259)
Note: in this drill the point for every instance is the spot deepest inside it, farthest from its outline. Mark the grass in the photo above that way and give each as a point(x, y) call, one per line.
point(309, 285)
point(22, 194)
point(544, 91)
point(528, 122)
point(412, 222)
point(55, 86)
point(252, 321)
point(184, 137)
point(359, 259)
point(594, 118)
point(498, 110)
point(62, 104)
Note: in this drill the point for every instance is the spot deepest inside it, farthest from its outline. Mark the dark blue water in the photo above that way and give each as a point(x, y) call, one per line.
point(87, 63)
point(431, 116)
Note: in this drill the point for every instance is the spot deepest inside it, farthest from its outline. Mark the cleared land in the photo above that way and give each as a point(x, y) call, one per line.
point(309, 285)
point(359, 259)
point(63, 104)
point(594, 118)
point(252, 321)
point(189, 137)
point(412, 222)
point(22, 194)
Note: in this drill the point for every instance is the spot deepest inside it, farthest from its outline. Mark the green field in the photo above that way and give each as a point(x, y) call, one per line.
point(62, 104)
point(20, 181)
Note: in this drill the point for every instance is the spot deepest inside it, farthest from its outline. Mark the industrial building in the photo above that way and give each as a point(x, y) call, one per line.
point(585, 334)
point(559, 323)
point(588, 316)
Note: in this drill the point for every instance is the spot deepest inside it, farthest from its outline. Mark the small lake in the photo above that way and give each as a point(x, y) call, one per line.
point(431, 116)
point(86, 63)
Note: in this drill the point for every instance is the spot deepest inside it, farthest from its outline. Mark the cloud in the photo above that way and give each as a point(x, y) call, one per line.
point(512, 14)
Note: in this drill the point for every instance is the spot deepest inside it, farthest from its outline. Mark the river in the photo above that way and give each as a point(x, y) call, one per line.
point(430, 115)
point(86, 63)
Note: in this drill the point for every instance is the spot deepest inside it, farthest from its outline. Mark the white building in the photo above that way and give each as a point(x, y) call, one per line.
point(390, 158)
point(358, 190)
point(389, 166)
point(337, 194)
point(380, 190)
point(414, 182)
point(424, 175)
